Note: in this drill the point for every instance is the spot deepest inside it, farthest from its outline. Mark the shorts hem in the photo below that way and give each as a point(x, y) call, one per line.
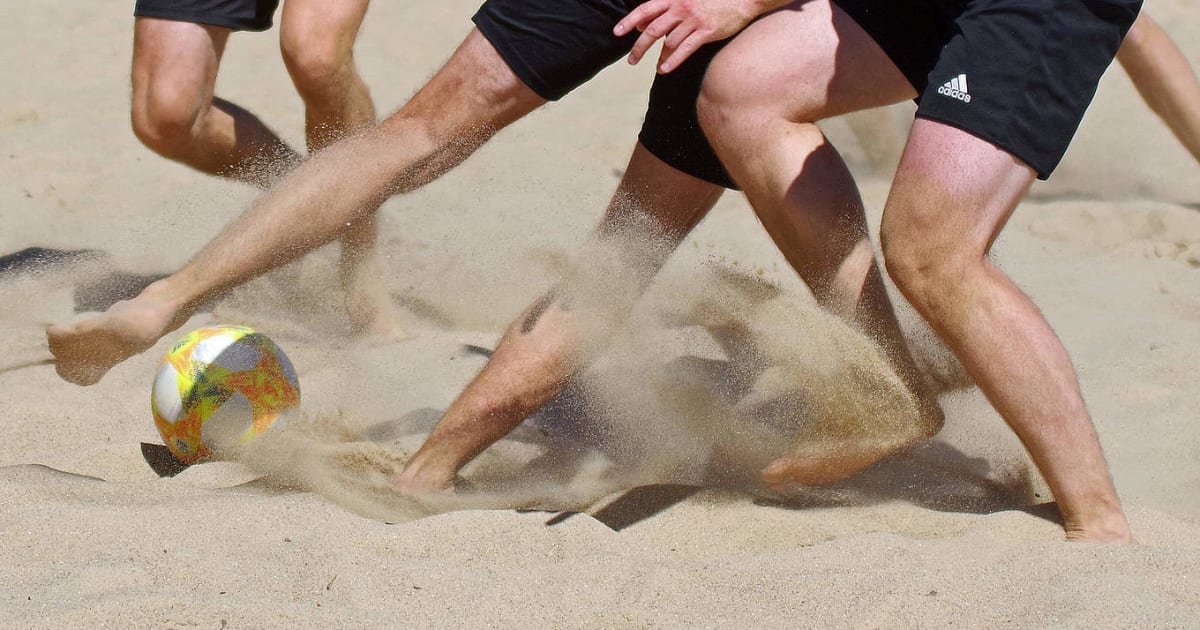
point(672, 159)
point(493, 33)
point(196, 18)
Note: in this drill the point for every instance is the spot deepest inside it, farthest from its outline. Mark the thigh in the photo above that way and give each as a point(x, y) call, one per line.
point(321, 22)
point(807, 62)
point(953, 191)
point(175, 58)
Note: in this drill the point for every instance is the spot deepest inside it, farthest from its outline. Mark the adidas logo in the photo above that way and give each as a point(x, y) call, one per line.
point(956, 88)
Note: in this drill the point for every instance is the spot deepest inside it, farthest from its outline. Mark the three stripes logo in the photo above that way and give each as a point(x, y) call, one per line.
point(956, 88)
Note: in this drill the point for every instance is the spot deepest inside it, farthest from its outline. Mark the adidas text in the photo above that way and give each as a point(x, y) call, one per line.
point(956, 88)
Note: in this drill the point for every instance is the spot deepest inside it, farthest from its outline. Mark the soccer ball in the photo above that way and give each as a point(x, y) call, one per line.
point(220, 386)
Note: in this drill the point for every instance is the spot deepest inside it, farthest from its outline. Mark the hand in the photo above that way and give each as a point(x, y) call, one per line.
point(684, 26)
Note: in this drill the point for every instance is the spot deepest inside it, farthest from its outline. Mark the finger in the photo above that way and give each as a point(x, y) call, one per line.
point(691, 44)
point(678, 34)
point(640, 17)
point(655, 31)
point(672, 42)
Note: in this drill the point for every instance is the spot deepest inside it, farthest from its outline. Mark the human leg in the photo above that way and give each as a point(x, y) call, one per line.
point(543, 347)
point(317, 39)
point(672, 180)
point(760, 118)
point(474, 95)
point(512, 63)
point(970, 158)
point(1164, 78)
point(174, 111)
point(952, 194)
point(956, 188)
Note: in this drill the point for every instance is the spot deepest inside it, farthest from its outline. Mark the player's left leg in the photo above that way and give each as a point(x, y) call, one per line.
point(951, 196)
point(1164, 78)
point(317, 39)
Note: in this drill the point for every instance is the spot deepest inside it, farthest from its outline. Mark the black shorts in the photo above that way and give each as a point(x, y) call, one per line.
point(239, 15)
point(554, 46)
point(1016, 73)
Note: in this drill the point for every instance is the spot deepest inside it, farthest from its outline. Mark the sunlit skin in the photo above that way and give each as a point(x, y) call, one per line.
point(175, 113)
point(951, 196)
point(474, 95)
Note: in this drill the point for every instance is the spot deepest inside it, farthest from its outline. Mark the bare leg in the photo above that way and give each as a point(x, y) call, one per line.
point(803, 193)
point(317, 41)
point(175, 114)
point(1164, 78)
point(465, 103)
point(541, 349)
point(952, 195)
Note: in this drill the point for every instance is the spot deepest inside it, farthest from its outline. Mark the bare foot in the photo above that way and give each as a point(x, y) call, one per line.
point(808, 466)
point(816, 464)
point(373, 314)
point(85, 351)
point(1110, 527)
point(374, 317)
point(1112, 537)
point(413, 481)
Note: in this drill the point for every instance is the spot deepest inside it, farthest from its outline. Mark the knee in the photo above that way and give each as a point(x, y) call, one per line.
point(925, 266)
point(316, 62)
point(166, 120)
point(738, 110)
point(724, 106)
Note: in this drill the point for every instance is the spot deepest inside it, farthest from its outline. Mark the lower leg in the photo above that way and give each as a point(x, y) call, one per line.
point(317, 41)
point(1164, 78)
point(544, 347)
point(807, 200)
point(952, 195)
point(470, 99)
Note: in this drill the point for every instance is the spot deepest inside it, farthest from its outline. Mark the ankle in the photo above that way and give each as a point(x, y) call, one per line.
point(171, 294)
point(1104, 523)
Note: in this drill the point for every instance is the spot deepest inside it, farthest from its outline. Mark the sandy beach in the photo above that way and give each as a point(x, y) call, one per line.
point(622, 521)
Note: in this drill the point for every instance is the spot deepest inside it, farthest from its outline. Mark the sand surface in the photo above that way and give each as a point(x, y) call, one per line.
point(307, 535)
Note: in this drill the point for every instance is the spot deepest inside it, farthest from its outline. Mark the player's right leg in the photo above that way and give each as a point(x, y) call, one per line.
point(760, 103)
point(175, 114)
